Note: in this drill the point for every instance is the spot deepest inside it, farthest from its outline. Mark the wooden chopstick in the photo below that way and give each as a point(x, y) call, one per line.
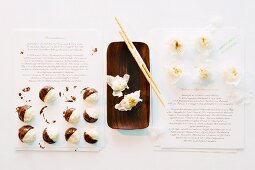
point(138, 55)
point(140, 62)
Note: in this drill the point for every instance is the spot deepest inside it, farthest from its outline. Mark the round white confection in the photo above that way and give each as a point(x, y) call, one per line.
point(75, 117)
point(29, 136)
point(51, 96)
point(125, 104)
point(119, 84)
point(92, 133)
point(205, 47)
point(53, 133)
point(29, 115)
point(232, 76)
point(92, 98)
point(75, 137)
point(92, 113)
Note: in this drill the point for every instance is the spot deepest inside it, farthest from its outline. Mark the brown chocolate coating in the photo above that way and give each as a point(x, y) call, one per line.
point(21, 111)
point(89, 139)
point(46, 137)
point(87, 117)
point(43, 92)
point(67, 113)
point(69, 132)
point(23, 131)
point(88, 91)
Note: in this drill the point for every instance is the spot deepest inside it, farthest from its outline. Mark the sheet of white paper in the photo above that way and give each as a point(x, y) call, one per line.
point(199, 115)
point(62, 59)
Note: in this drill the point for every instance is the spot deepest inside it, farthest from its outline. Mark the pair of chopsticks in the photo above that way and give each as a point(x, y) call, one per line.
point(140, 62)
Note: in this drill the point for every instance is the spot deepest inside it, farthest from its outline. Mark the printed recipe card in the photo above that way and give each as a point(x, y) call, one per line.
point(201, 75)
point(59, 89)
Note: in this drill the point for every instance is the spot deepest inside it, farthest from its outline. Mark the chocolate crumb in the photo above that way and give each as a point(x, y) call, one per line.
point(42, 147)
point(73, 97)
point(94, 50)
point(26, 89)
point(21, 97)
point(69, 100)
point(22, 52)
point(41, 111)
point(67, 88)
point(46, 120)
point(59, 94)
point(20, 94)
point(54, 121)
point(74, 87)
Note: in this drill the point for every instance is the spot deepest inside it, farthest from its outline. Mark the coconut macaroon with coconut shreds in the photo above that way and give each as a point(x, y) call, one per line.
point(231, 75)
point(129, 101)
point(72, 135)
point(27, 134)
point(204, 45)
point(91, 136)
point(176, 47)
point(90, 95)
point(90, 115)
point(26, 113)
point(71, 115)
point(48, 94)
point(204, 74)
point(174, 72)
point(118, 84)
point(50, 134)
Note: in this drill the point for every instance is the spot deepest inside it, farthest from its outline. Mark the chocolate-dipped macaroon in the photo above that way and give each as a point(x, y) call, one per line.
point(91, 136)
point(90, 95)
point(27, 134)
point(90, 115)
point(26, 113)
point(50, 135)
point(48, 94)
point(72, 135)
point(71, 115)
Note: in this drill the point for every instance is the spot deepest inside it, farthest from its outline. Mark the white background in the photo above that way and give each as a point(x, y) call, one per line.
point(121, 151)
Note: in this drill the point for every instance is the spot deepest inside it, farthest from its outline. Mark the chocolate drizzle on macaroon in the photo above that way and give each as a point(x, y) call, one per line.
point(67, 113)
point(22, 110)
point(44, 91)
point(88, 91)
point(23, 131)
point(46, 137)
point(69, 132)
point(89, 139)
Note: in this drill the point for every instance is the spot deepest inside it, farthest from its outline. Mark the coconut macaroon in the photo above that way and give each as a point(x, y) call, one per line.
point(231, 75)
point(72, 135)
point(26, 113)
point(90, 95)
point(177, 47)
point(118, 84)
point(90, 115)
point(91, 136)
point(174, 72)
point(50, 134)
point(204, 45)
point(27, 134)
point(71, 115)
point(204, 74)
point(48, 94)
point(129, 101)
